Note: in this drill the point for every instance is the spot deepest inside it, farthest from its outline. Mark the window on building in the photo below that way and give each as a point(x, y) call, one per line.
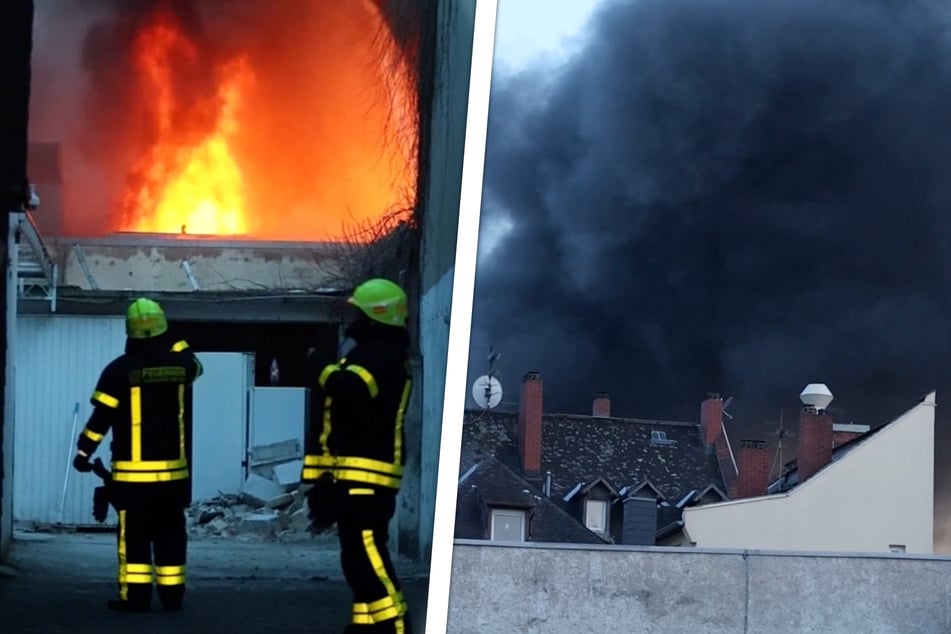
point(508, 525)
point(596, 515)
point(660, 438)
point(896, 548)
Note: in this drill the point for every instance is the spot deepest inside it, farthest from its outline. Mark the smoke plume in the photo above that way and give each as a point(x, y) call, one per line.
point(729, 196)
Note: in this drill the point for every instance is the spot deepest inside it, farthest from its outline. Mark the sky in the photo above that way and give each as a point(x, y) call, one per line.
point(721, 196)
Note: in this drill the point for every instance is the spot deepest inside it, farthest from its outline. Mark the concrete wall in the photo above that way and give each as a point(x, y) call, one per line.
point(878, 494)
point(546, 588)
point(441, 216)
point(143, 263)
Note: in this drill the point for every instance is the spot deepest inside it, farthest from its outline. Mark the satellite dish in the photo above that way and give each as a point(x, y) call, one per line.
point(487, 391)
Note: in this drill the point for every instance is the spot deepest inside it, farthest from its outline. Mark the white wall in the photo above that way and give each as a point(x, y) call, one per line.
point(880, 493)
point(600, 589)
point(58, 361)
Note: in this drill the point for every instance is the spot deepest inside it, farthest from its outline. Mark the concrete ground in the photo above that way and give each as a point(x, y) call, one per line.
point(61, 582)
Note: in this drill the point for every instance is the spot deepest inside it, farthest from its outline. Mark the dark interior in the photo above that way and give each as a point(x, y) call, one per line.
point(286, 342)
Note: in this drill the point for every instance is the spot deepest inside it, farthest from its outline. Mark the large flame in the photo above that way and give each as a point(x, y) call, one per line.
point(298, 138)
point(187, 182)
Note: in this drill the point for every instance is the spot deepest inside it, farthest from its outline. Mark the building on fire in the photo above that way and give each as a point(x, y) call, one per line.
point(245, 170)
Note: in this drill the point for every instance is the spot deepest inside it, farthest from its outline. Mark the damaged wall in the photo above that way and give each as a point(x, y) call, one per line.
point(444, 154)
point(157, 264)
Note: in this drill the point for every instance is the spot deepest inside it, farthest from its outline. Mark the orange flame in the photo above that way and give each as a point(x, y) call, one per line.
point(312, 135)
point(188, 185)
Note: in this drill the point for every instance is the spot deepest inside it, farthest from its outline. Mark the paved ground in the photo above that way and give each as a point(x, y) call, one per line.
point(60, 583)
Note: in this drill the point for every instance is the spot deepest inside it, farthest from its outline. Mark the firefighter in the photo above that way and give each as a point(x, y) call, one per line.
point(142, 397)
point(356, 452)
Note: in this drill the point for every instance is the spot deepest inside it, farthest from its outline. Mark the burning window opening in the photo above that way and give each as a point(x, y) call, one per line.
point(230, 120)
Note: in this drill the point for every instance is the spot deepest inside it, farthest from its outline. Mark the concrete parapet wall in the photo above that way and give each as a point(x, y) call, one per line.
point(559, 588)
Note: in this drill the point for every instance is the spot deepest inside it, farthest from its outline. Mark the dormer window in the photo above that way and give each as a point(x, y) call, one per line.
point(507, 525)
point(596, 515)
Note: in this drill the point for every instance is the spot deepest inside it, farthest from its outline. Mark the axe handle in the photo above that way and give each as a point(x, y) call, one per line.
point(100, 470)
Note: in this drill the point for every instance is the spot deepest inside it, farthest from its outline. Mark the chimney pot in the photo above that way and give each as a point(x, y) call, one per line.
point(602, 405)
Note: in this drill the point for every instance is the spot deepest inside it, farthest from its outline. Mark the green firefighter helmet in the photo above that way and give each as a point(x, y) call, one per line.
point(382, 301)
point(145, 319)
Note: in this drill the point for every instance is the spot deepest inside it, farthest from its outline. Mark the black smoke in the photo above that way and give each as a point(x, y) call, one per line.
point(730, 196)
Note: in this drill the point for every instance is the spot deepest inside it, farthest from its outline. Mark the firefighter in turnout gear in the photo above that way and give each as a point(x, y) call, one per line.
point(142, 396)
point(356, 452)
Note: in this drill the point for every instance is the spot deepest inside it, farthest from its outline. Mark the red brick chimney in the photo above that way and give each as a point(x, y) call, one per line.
point(815, 442)
point(842, 434)
point(754, 468)
point(530, 424)
point(711, 419)
point(602, 405)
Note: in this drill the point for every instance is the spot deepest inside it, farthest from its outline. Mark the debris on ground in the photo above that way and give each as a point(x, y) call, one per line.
point(271, 506)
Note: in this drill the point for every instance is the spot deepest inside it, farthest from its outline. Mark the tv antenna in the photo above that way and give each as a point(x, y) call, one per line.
point(487, 389)
point(781, 434)
point(726, 404)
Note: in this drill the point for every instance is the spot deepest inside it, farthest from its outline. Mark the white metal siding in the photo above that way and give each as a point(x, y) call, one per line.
point(219, 414)
point(58, 361)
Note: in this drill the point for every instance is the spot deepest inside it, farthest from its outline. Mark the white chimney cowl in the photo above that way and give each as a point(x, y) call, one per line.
point(816, 395)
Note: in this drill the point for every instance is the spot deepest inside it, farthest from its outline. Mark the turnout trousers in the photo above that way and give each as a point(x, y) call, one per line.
point(363, 517)
point(152, 551)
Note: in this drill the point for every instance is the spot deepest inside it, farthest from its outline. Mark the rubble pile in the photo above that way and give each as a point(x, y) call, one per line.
point(272, 504)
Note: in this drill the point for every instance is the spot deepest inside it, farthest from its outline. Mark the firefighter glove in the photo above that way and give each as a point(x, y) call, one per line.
point(81, 463)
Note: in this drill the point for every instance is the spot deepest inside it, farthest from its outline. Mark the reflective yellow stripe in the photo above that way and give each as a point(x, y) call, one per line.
point(326, 372)
point(105, 399)
point(178, 346)
point(361, 608)
point(160, 476)
point(309, 473)
point(123, 588)
point(354, 462)
point(367, 377)
point(385, 602)
point(139, 568)
point(361, 492)
point(353, 475)
point(379, 568)
point(325, 434)
point(362, 619)
point(93, 436)
point(170, 580)
point(181, 422)
point(138, 578)
point(385, 615)
point(170, 570)
point(398, 434)
point(149, 465)
point(370, 465)
point(136, 400)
